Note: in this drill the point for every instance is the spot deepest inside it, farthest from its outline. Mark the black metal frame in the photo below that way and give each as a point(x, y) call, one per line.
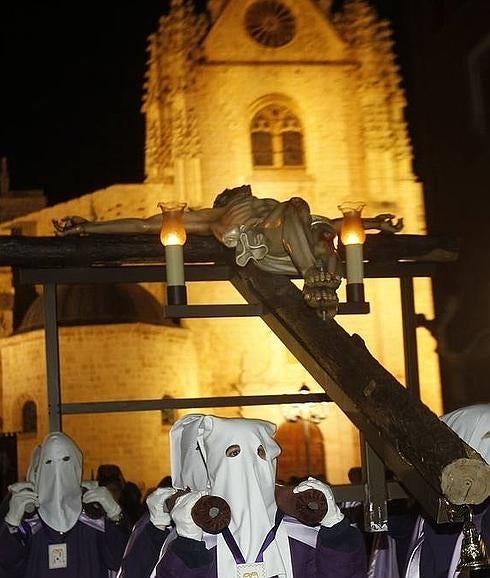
point(375, 492)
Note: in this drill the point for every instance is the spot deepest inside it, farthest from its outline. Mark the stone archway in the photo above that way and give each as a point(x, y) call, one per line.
point(298, 439)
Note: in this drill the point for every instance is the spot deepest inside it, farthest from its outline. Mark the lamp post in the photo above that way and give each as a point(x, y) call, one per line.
point(353, 235)
point(307, 413)
point(173, 237)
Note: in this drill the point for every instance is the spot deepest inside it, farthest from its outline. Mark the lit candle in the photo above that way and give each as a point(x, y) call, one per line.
point(173, 237)
point(353, 235)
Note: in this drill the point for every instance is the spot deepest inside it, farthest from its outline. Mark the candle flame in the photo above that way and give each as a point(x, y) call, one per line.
point(173, 230)
point(352, 231)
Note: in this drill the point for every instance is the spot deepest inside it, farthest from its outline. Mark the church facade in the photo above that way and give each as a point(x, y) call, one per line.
point(286, 96)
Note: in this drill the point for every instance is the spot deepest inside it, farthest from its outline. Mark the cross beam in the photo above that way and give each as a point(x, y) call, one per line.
point(409, 438)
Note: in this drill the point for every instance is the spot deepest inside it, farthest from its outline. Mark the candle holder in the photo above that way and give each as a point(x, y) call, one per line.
point(353, 236)
point(173, 237)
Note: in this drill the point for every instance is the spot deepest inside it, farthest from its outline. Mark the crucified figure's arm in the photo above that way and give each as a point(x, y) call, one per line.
point(382, 222)
point(200, 222)
point(76, 225)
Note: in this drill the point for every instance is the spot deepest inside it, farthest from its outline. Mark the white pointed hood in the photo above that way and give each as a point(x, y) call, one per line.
point(472, 424)
point(241, 458)
point(32, 469)
point(58, 482)
point(187, 466)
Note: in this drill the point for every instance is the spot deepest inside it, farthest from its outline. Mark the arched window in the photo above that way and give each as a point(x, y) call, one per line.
point(29, 417)
point(277, 139)
point(303, 451)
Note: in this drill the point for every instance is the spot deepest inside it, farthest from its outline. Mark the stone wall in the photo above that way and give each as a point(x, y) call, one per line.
point(104, 363)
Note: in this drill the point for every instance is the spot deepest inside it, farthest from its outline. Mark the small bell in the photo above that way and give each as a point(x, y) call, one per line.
point(474, 554)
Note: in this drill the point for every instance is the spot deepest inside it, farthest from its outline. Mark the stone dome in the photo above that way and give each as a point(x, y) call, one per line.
point(98, 303)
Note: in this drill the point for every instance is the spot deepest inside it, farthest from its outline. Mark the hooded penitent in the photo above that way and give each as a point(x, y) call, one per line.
point(58, 482)
point(472, 424)
point(241, 456)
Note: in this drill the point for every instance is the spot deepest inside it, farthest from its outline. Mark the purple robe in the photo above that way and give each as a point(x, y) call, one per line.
point(390, 550)
point(143, 549)
point(93, 547)
point(436, 544)
point(339, 552)
point(439, 543)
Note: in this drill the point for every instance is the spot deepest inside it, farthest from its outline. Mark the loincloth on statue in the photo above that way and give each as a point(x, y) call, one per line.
point(252, 244)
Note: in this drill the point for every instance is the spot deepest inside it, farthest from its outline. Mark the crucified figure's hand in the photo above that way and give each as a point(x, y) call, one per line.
point(386, 222)
point(69, 226)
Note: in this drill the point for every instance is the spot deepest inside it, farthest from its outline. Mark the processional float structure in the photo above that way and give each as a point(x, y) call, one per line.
point(429, 461)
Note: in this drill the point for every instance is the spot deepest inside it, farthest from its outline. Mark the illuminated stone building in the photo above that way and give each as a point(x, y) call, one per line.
point(284, 96)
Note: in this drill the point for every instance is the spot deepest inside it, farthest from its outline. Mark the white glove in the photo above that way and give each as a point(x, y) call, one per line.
point(333, 515)
point(90, 484)
point(159, 515)
point(19, 501)
point(18, 486)
point(181, 515)
point(102, 495)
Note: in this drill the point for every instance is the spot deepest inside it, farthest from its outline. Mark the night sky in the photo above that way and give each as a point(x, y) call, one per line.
point(72, 88)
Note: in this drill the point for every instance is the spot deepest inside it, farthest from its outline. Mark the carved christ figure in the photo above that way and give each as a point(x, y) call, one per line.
point(279, 237)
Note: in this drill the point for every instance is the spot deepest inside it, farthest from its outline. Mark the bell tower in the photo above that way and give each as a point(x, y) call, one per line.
point(294, 100)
